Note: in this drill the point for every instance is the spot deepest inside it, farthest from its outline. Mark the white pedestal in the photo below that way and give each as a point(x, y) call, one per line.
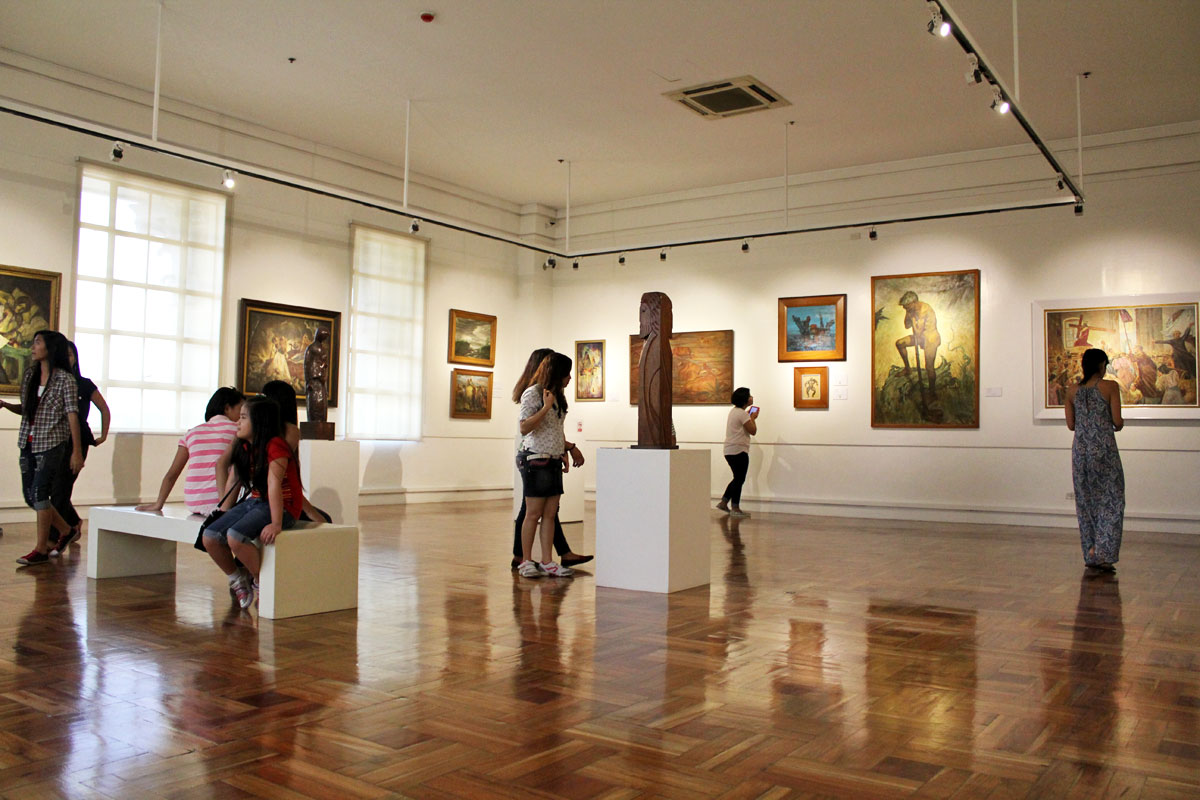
point(652, 519)
point(570, 506)
point(329, 472)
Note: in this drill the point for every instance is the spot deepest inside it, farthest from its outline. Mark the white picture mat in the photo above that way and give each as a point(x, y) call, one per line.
point(1040, 307)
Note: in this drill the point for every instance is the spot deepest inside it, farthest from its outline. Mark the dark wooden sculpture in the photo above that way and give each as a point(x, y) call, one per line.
point(316, 388)
point(655, 431)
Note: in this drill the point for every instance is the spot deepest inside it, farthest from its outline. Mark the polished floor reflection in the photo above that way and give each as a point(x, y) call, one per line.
point(828, 658)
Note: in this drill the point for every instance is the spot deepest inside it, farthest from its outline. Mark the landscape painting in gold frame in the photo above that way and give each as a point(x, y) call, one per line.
point(812, 328)
point(472, 338)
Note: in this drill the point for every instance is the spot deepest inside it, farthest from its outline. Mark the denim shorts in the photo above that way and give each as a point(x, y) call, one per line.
point(540, 480)
point(39, 472)
point(245, 521)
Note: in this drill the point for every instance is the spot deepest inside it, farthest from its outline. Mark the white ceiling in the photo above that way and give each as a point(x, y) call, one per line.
point(502, 89)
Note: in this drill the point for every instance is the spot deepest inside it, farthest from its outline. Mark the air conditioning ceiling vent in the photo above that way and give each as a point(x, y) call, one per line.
point(717, 99)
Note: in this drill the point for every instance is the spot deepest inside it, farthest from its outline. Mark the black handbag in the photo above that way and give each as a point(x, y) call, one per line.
point(212, 517)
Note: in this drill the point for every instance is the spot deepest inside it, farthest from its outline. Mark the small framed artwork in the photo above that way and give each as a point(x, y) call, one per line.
point(812, 328)
point(470, 394)
point(589, 370)
point(272, 338)
point(472, 338)
point(811, 387)
point(28, 304)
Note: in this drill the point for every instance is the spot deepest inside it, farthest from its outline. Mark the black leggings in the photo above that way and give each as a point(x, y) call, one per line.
point(740, 464)
point(62, 488)
point(560, 541)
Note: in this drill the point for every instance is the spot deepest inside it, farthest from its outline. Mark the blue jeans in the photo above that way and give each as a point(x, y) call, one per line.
point(245, 521)
point(39, 471)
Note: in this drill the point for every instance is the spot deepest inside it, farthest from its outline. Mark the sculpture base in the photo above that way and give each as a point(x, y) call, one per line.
point(316, 430)
point(653, 447)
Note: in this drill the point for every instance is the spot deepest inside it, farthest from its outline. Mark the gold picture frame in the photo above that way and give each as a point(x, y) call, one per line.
point(472, 338)
point(470, 394)
point(29, 301)
point(812, 328)
point(590, 367)
point(810, 387)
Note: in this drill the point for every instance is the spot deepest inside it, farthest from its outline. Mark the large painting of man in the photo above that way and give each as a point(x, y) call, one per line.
point(925, 350)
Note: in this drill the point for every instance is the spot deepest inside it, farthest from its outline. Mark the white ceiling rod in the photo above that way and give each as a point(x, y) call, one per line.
point(786, 177)
point(1016, 58)
point(407, 118)
point(157, 74)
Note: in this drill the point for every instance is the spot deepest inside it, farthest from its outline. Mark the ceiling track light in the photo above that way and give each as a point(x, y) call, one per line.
point(621, 258)
point(118, 151)
point(415, 226)
point(974, 74)
point(662, 254)
point(227, 179)
point(745, 245)
point(938, 24)
point(552, 262)
point(999, 104)
point(575, 264)
point(873, 234)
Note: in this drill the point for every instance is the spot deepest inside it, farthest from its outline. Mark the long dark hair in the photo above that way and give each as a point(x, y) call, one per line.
point(550, 374)
point(526, 380)
point(285, 396)
point(56, 357)
point(1094, 361)
point(250, 458)
point(222, 399)
point(73, 351)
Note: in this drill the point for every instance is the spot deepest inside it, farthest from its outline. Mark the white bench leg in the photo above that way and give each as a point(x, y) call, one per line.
point(309, 571)
point(112, 554)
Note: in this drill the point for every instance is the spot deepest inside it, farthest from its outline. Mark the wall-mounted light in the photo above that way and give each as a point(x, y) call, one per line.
point(227, 179)
point(938, 25)
point(415, 226)
point(118, 151)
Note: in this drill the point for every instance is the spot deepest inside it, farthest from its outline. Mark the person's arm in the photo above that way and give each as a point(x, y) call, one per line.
point(1069, 408)
point(16, 408)
point(531, 422)
point(76, 441)
point(292, 437)
point(105, 416)
point(222, 470)
point(1114, 405)
point(751, 425)
point(168, 481)
point(275, 473)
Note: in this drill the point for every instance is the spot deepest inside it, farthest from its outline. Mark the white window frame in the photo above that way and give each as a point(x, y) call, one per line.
point(405, 324)
point(187, 397)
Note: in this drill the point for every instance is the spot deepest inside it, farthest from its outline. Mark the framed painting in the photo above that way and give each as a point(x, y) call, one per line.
point(28, 304)
point(810, 387)
point(472, 338)
point(470, 394)
point(925, 350)
point(701, 368)
point(272, 338)
point(812, 328)
point(1151, 345)
point(589, 370)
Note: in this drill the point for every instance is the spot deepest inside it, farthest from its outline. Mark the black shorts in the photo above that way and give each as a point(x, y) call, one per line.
point(540, 477)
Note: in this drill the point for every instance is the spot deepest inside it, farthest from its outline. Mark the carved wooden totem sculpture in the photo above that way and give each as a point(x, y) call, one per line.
point(316, 387)
point(654, 369)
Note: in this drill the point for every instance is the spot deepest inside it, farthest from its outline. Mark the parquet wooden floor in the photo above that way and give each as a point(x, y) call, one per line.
point(828, 658)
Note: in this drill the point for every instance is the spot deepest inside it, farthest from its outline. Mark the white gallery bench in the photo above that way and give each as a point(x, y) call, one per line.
point(309, 569)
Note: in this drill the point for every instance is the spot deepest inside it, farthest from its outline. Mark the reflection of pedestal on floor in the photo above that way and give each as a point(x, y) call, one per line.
point(329, 472)
point(652, 519)
point(570, 507)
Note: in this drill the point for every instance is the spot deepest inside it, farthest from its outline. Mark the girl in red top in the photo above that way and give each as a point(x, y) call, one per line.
point(266, 467)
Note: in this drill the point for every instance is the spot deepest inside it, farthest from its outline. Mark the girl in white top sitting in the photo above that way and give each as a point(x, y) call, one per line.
point(739, 427)
point(542, 461)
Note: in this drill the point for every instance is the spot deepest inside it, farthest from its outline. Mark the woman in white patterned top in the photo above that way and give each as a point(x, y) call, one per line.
point(542, 461)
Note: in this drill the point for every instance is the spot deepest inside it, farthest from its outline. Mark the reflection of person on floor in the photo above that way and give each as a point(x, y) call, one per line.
point(921, 318)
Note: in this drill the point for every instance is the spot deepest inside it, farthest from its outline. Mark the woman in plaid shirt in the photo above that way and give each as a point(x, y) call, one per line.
point(49, 410)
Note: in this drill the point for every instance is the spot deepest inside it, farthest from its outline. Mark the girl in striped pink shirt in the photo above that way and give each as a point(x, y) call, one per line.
point(199, 450)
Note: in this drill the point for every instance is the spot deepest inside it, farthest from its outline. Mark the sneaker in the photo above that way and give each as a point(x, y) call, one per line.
point(530, 569)
point(245, 594)
point(723, 506)
point(737, 513)
point(33, 557)
point(65, 541)
point(556, 570)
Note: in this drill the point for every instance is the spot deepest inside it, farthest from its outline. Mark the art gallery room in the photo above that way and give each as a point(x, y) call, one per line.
point(825, 282)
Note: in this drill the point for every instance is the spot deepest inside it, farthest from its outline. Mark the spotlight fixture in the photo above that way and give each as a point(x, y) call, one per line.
point(938, 25)
point(552, 262)
point(227, 179)
point(621, 258)
point(974, 74)
point(545, 266)
point(1079, 209)
point(745, 245)
point(575, 264)
point(999, 104)
point(662, 254)
point(874, 234)
point(118, 151)
point(415, 226)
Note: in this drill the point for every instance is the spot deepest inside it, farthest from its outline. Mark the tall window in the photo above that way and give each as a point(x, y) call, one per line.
point(387, 319)
point(148, 296)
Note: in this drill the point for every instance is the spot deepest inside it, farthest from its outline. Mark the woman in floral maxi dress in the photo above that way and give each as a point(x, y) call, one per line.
point(1093, 411)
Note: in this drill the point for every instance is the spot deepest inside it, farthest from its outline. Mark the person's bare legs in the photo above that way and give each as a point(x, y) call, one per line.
point(220, 553)
point(534, 511)
point(548, 512)
point(247, 553)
